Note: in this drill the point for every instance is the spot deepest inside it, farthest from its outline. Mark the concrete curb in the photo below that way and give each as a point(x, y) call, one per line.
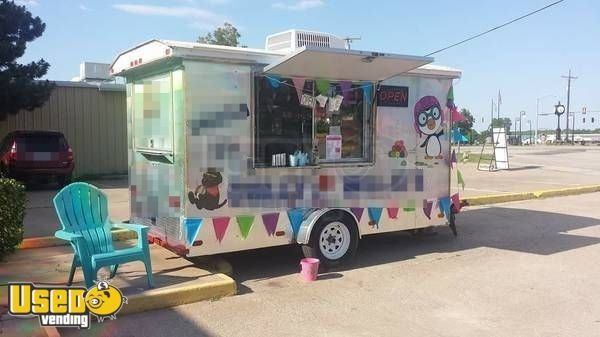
point(52, 241)
point(169, 297)
point(500, 198)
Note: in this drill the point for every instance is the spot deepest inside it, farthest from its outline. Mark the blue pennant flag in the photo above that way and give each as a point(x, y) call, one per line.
point(274, 80)
point(192, 227)
point(445, 206)
point(375, 214)
point(296, 215)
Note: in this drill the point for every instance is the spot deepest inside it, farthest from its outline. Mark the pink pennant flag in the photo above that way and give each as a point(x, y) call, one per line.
point(220, 225)
point(393, 212)
point(427, 207)
point(456, 202)
point(299, 85)
point(457, 116)
point(270, 221)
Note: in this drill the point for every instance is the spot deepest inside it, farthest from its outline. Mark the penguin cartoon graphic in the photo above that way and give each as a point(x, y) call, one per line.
point(428, 122)
point(207, 194)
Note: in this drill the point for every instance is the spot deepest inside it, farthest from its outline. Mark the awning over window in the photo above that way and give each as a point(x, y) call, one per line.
point(342, 64)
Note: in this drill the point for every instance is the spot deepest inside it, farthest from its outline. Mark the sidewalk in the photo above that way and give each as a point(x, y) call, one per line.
point(178, 281)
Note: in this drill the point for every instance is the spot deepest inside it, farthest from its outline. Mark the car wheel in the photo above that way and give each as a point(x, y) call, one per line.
point(64, 180)
point(333, 239)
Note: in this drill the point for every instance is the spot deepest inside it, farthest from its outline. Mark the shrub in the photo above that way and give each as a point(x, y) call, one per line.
point(12, 212)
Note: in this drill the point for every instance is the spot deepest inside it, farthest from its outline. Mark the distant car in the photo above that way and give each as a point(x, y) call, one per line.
point(26, 155)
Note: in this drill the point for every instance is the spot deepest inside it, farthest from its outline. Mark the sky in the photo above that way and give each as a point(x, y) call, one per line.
point(524, 61)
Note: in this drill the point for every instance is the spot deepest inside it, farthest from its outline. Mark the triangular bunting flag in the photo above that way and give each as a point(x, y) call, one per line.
point(456, 115)
point(444, 204)
point(322, 87)
point(245, 223)
point(357, 213)
point(375, 214)
point(367, 90)
point(393, 212)
point(460, 179)
point(456, 202)
point(346, 87)
point(192, 227)
point(427, 206)
point(270, 221)
point(296, 216)
point(274, 80)
point(220, 225)
point(410, 205)
point(299, 85)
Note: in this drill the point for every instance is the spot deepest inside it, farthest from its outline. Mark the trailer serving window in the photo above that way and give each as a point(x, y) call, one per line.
point(336, 118)
point(340, 99)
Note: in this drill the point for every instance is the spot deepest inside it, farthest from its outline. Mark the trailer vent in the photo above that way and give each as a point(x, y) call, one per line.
point(291, 40)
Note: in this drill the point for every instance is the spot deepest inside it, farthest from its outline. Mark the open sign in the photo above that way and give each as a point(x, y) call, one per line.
point(389, 95)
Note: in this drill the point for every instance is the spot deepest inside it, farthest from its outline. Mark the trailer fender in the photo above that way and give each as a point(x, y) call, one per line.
point(309, 222)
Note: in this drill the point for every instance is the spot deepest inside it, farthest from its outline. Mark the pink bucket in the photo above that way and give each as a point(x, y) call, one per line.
point(310, 268)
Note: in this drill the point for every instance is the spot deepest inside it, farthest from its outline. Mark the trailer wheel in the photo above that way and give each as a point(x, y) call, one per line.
point(333, 239)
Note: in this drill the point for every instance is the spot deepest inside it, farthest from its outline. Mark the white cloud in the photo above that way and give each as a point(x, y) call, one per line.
point(299, 5)
point(30, 3)
point(200, 16)
point(84, 7)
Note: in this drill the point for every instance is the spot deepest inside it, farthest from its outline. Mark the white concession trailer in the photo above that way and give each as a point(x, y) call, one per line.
point(304, 142)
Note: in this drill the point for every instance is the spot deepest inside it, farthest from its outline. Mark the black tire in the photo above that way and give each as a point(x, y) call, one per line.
point(64, 180)
point(313, 249)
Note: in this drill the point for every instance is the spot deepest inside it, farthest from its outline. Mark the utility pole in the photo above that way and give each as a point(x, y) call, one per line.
point(569, 78)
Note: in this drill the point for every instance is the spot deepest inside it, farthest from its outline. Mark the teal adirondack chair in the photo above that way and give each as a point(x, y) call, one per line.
point(83, 213)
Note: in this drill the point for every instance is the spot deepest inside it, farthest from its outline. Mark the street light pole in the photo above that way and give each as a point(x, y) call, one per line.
point(530, 139)
point(569, 78)
point(521, 114)
point(537, 113)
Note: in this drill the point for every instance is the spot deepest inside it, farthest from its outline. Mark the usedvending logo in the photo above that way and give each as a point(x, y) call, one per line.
point(65, 306)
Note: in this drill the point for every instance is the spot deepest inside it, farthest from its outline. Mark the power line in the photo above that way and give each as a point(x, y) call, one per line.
point(497, 27)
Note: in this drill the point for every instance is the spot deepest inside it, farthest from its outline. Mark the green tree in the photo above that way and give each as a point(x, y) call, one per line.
point(226, 35)
point(18, 86)
point(502, 123)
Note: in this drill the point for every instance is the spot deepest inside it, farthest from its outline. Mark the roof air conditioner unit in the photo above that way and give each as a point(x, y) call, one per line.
point(292, 39)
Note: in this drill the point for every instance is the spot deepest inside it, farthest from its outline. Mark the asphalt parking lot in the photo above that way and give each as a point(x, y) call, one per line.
point(525, 268)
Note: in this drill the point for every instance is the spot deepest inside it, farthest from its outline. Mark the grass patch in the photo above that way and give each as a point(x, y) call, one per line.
point(469, 157)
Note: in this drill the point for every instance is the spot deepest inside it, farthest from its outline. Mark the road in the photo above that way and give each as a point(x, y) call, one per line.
point(517, 269)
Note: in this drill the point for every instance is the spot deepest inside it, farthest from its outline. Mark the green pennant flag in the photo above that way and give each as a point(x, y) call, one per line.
point(245, 223)
point(460, 179)
point(410, 205)
point(322, 87)
point(450, 94)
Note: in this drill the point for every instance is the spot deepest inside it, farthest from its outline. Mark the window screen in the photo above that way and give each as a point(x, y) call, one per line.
point(152, 113)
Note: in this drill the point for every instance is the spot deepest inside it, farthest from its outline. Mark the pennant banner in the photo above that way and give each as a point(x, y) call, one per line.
point(245, 223)
point(460, 179)
point(456, 202)
point(296, 216)
point(270, 221)
point(410, 205)
point(375, 214)
point(322, 87)
point(367, 90)
point(427, 207)
point(393, 213)
point(357, 213)
point(456, 115)
point(444, 204)
point(220, 225)
point(274, 81)
point(345, 86)
point(192, 227)
point(299, 85)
